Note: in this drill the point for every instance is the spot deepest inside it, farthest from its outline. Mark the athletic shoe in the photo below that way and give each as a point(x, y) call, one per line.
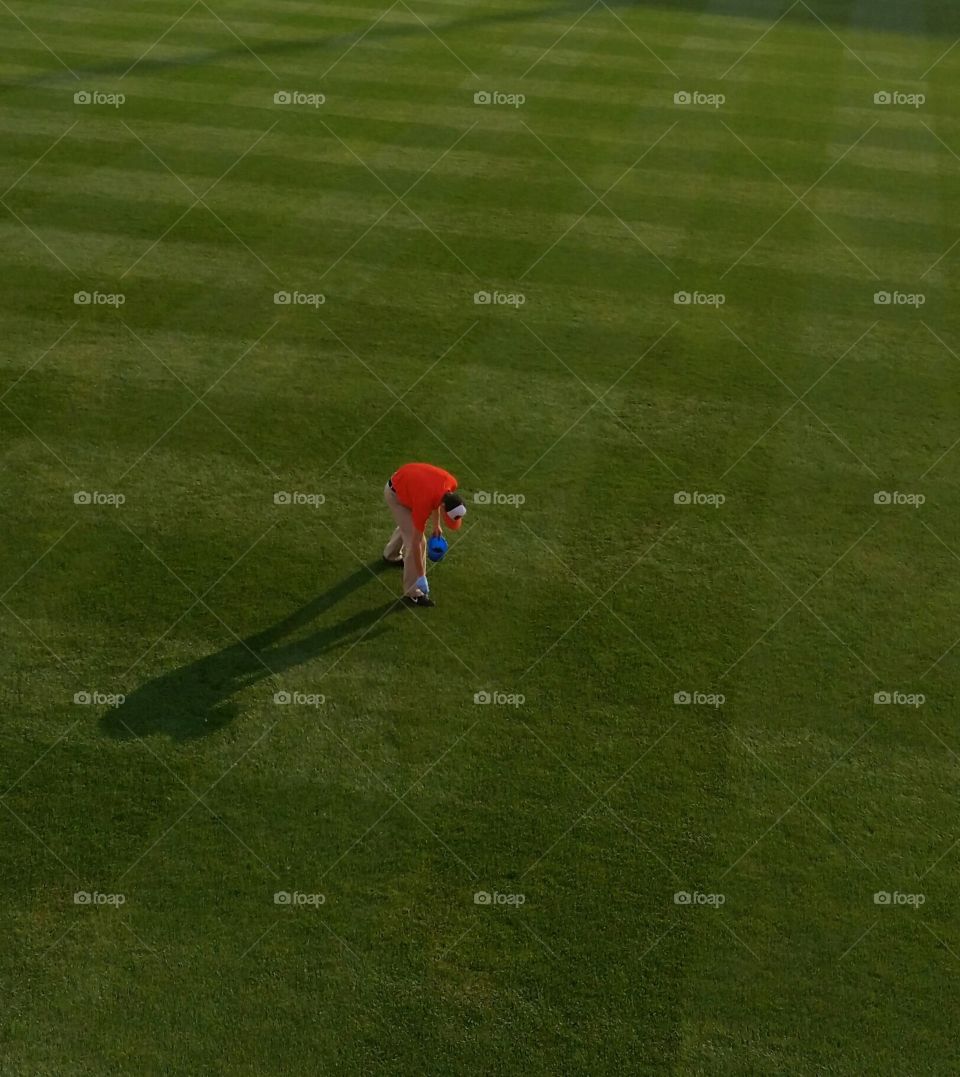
point(398, 563)
point(420, 600)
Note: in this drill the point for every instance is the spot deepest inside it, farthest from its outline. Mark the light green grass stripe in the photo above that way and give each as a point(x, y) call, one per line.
point(904, 173)
point(878, 154)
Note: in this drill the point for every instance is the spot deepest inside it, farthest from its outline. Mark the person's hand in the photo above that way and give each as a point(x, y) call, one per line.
point(423, 585)
point(437, 531)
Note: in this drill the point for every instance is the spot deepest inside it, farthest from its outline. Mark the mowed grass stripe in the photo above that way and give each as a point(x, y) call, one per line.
point(170, 271)
point(615, 42)
point(108, 54)
point(862, 149)
point(725, 59)
point(767, 536)
point(895, 147)
point(155, 17)
point(547, 109)
point(175, 28)
point(805, 310)
point(734, 383)
point(573, 59)
point(581, 457)
point(607, 234)
point(201, 254)
point(728, 233)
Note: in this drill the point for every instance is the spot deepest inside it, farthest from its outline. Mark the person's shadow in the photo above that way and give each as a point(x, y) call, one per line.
point(199, 698)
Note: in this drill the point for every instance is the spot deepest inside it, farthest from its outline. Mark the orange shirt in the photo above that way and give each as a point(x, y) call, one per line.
point(421, 488)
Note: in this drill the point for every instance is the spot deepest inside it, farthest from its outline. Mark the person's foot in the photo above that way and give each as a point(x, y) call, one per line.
point(418, 600)
point(394, 562)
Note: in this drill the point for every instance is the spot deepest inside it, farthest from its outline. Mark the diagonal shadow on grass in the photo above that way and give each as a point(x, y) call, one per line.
point(199, 698)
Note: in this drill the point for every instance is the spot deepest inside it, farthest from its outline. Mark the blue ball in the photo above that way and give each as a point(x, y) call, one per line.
point(436, 548)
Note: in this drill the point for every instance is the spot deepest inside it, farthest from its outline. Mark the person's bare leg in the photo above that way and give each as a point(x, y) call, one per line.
point(393, 551)
point(411, 540)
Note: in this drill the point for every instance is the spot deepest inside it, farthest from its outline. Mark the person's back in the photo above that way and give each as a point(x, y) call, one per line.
point(421, 488)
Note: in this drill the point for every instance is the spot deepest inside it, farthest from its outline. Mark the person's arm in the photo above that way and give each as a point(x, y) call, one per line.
point(434, 521)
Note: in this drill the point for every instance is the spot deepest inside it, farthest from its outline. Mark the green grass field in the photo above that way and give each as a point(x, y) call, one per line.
point(781, 598)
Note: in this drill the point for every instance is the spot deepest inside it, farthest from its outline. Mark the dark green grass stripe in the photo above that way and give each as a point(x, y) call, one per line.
point(739, 165)
point(501, 137)
point(610, 30)
point(659, 193)
point(127, 232)
point(656, 193)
